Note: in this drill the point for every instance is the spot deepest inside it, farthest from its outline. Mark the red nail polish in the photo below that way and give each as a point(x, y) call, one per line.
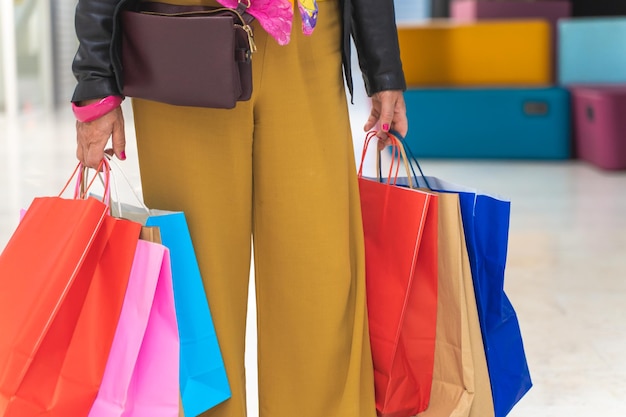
point(123, 156)
point(386, 127)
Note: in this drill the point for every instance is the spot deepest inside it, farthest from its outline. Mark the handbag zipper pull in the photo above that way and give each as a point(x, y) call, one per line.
point(248, 30)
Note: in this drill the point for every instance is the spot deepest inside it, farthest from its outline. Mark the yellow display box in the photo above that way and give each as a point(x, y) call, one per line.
point(447, 53)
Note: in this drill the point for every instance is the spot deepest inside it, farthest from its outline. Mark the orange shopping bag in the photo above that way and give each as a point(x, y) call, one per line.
point(400, 228)
point(63, 276)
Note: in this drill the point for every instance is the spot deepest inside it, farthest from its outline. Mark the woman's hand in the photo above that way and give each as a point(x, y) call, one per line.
point(388, 112)
point(92, 138)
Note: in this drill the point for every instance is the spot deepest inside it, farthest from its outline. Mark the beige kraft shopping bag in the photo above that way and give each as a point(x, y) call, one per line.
point(461, 386)
point(482, 405)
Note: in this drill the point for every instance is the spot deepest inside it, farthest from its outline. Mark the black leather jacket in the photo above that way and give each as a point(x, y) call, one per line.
point(97, 65)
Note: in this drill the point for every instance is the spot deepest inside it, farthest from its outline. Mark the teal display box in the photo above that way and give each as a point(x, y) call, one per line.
point(483, 123)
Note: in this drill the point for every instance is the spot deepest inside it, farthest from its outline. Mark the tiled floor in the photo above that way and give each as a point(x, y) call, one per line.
point(566, 272)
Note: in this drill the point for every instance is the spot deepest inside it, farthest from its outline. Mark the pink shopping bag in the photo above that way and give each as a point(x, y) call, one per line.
point(141, 378)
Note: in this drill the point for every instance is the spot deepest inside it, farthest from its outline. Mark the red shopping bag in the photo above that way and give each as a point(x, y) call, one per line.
point(400, 228)
point(63, 276)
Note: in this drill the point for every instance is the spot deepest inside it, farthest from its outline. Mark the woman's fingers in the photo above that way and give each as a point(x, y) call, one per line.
point(388, 112)
point(92, 138)
point(371, 121)
point(400, 121)
point(119, 137)
point(91, 143)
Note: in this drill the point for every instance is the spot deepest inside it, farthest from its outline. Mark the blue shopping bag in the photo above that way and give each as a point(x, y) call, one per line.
point(203, 380)
point(486, 227)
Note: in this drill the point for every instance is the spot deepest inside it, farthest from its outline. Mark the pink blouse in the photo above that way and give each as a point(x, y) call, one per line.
point(276, 16)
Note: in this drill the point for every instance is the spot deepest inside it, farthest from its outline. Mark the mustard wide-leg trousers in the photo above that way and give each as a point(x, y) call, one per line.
point(279, 168)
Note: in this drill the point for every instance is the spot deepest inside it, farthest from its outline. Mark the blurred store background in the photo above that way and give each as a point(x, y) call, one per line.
point(532, 80)
point(38, 42)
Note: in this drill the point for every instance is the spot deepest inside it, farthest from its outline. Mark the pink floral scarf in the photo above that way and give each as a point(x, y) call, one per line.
point(276, 16)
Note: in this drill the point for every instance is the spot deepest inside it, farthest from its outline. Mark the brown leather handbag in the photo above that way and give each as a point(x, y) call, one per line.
point(187, 55)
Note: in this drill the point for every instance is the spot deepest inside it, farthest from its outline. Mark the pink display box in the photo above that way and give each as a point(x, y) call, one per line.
point(600, 125)
point(552, 11)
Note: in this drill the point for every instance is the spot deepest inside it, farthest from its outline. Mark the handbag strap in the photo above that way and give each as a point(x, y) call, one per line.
point(242, 7)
